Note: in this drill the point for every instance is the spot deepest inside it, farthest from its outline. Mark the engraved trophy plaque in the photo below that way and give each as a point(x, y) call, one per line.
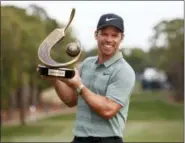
point(51, 67)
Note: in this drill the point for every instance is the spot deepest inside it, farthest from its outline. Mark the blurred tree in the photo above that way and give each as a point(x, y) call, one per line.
point(10, 46)
point(92, 52)
point(138, 59)
point(37, 11)
point(21, 34)
point(169, 54)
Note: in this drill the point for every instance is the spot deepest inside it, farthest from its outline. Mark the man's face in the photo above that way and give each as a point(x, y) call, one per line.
point(108, 40)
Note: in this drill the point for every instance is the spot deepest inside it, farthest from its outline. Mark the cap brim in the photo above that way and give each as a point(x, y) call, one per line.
point(105, 25)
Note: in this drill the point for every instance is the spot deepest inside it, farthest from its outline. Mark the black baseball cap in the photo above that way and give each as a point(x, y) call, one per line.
point(111, 19)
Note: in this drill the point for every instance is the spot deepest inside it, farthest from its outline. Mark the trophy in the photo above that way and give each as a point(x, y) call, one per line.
point(51, 67)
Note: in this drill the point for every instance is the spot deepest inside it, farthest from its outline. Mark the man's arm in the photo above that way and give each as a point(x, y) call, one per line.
point(103, 106)
point(117, 94)
point(65, 93)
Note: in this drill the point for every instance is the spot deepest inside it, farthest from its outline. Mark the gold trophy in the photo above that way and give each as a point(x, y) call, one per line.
point(51, 67)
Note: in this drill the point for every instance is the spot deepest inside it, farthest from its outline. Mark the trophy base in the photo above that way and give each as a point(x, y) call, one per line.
point(56, 72)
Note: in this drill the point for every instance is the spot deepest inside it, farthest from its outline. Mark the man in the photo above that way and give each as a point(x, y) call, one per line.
point(101, 88)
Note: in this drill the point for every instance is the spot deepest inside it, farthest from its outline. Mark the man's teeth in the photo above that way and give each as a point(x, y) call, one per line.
point(108, 46)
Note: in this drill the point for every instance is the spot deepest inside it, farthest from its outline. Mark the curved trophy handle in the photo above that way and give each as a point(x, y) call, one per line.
point(50, 41)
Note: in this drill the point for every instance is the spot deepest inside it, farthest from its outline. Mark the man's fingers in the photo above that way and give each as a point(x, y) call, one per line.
point(64, 79)
point(50, 78)
point(76, 70)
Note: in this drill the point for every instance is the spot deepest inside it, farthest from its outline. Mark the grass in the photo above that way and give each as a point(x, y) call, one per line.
point(41, 131)
point(155, 110)
point(151, 118)
point(154, 131)
point(27, 130)
point(154, 106)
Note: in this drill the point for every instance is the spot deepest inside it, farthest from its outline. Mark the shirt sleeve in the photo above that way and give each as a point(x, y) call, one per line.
point(80, 69)
point(82, 64)
point(121, 86)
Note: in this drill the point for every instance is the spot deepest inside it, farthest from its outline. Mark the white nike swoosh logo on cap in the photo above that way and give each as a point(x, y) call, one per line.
point(109, 19)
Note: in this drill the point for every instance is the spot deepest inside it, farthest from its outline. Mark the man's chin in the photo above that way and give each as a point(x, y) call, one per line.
point(107, 53)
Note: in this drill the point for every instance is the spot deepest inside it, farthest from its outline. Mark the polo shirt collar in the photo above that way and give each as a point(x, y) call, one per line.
point(118, 55)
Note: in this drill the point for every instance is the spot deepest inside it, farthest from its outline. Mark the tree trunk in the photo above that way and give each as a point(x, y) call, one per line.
point(24, 94)
point(12, 104)
point(33, 93)
point(22, 107)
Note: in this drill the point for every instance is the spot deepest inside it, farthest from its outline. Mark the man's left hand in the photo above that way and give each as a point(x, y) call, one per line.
point(73, 82)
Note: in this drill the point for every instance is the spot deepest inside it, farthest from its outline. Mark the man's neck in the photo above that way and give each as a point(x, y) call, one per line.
point(103, 58)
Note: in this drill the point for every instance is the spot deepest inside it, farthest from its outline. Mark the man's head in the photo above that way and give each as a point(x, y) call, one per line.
point(111, 19)
point(109, 33)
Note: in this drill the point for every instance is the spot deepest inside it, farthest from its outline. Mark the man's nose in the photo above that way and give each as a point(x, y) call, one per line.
point(109, 39)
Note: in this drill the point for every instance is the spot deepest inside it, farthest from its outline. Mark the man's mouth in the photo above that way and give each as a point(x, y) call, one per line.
point(107, 46)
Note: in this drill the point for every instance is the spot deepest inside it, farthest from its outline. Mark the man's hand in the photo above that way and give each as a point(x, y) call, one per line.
point(73, 82)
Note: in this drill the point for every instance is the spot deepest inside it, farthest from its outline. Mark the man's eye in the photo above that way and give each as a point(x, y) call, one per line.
point(103, 34)
point(115, 35)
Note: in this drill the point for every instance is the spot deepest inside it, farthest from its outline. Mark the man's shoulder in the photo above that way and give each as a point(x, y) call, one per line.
point(125, 67)
point(89, 59)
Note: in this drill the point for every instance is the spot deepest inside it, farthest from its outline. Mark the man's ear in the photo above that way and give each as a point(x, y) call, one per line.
point(122, 36)
point(95, 34)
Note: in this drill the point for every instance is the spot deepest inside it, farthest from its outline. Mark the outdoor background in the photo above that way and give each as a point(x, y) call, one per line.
point(153, 46)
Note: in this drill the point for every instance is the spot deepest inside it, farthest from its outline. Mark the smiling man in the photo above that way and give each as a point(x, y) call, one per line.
point(101, 88)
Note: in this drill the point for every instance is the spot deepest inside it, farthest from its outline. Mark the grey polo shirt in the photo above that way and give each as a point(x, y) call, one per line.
point(114, 79)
